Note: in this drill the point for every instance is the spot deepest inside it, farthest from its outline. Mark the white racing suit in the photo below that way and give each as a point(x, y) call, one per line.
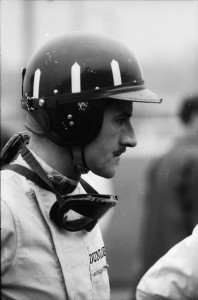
point(39, 260)
point(175, 275)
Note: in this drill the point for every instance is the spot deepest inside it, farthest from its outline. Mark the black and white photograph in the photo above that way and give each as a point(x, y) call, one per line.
point(99, 150)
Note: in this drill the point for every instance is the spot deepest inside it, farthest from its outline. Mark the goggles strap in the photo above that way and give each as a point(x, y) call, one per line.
point(32, 162)
point(91, 207)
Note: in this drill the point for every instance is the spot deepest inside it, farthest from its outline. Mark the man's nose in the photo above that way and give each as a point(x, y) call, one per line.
point(129, 139)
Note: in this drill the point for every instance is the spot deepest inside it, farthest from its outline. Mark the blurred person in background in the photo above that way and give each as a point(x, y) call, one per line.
point(171, 215)
point(78, 91)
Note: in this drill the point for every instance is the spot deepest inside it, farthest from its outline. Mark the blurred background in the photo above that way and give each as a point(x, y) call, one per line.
point(164, 37)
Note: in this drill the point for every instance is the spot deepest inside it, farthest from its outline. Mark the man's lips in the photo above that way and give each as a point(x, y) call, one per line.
point(119, 152)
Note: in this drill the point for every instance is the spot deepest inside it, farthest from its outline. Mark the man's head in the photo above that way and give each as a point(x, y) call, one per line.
point(188, 114)
point(74, 85)
point(188, 109)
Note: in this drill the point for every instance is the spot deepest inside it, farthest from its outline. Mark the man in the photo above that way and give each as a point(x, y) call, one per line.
point(78, 91)
point(173, 214)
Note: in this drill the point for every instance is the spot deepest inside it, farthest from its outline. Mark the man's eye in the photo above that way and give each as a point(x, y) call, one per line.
point(120, 121)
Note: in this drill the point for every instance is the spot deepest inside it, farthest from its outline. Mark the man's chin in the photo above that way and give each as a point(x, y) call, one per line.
point(108, 174)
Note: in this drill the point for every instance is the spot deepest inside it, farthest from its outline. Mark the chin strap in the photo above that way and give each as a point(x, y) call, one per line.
point(79, 159)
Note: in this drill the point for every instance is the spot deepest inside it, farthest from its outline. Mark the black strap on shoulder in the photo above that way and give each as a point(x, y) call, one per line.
point(27, 173)
point(33, 163)
point(30, 175)
point(39, 177)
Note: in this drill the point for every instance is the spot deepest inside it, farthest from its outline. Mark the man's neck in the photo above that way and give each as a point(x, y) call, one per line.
point(57, 157)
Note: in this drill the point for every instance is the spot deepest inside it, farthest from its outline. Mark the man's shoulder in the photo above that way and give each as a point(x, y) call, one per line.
point(8, 178)
point(13, 185)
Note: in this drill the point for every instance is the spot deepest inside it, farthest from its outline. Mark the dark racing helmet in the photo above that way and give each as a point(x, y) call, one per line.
point(69, 81)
